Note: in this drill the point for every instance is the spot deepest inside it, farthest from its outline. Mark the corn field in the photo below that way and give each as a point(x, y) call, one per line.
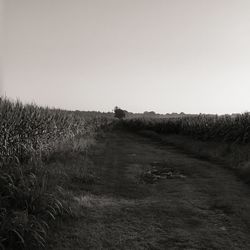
point(28, 130)
point(203, 127)
point(28, 134)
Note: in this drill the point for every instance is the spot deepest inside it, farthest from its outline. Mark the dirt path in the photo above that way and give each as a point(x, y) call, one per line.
point(200, 206)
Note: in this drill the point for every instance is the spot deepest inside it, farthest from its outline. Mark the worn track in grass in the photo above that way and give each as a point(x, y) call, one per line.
point(209, 209)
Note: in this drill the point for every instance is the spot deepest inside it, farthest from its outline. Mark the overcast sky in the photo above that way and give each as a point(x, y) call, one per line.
point(162, 55)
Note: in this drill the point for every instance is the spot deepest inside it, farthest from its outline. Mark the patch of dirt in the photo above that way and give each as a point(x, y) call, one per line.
point(160, 171)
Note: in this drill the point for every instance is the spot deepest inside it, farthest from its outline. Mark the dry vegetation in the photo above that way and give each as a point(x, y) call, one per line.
point(29, 137)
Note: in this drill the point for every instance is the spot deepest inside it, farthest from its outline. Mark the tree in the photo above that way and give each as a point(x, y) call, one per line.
point(119, 113)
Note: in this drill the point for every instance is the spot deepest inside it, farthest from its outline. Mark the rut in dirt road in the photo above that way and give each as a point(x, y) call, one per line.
point(151, 196)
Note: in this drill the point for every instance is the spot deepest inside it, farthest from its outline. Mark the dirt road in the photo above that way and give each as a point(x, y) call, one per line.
point(152, 196)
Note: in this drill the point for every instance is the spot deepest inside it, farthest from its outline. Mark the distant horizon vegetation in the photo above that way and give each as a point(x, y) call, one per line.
point(129, 113)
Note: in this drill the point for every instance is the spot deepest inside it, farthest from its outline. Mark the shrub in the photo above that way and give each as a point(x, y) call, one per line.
point(119, 113)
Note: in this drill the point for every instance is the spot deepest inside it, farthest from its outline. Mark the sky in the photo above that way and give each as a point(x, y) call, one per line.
point(189, 56)
point(1, 47)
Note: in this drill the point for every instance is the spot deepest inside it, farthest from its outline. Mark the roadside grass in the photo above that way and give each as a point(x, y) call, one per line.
point(27, 207)
point(35, 195)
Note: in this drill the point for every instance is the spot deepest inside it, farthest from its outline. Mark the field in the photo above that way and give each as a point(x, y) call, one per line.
point(84, 180)
point(219, 138)
point(31, 137)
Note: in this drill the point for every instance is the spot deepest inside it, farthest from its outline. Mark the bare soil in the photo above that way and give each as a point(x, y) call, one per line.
point(182, 203)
